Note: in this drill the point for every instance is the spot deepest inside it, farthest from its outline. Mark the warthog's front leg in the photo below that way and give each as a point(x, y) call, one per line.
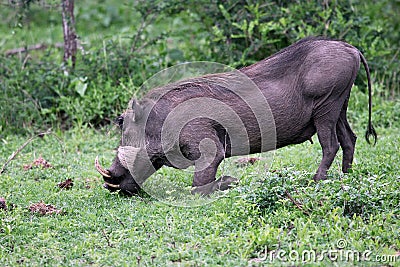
point(210, 153)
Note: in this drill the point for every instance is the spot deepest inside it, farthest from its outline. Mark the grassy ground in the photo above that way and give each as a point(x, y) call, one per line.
point(278, 217)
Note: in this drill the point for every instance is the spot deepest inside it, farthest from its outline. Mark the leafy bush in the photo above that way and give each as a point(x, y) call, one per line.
point(40, 92)
point(244, 32)
point(124, 44)
point(353, 195)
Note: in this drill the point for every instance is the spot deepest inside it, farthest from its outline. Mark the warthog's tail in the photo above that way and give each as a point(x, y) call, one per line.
point(370, 129)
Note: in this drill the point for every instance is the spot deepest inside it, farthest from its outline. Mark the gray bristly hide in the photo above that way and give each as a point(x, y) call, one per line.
point(282, 100)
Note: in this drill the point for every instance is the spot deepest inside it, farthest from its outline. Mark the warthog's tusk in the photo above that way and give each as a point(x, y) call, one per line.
point(100, 169)
point(116, 186)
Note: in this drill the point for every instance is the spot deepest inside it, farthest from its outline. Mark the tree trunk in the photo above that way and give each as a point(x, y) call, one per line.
point(68, 21)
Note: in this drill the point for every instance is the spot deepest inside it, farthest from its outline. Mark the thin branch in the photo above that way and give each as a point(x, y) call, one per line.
point(107, 238)
point(140, 30)
point(15, 153)
point(118, 219)
point(153, 40)
point(43, 4)
point(297, 204)
point(341, 184)
point(19, 50)
point(27, 57)
point(30, 48)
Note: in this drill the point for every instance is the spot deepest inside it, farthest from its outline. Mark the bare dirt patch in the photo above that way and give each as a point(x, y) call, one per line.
point(247, 161)
point(44, 209)
point(67, 184)
point(39, 162)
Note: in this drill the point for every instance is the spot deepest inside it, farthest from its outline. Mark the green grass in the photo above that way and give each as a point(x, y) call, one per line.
point(276, 207)
point(102, 229)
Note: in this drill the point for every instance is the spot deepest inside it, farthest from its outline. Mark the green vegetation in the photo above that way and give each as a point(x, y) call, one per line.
point(123, 44)
point(98, 228)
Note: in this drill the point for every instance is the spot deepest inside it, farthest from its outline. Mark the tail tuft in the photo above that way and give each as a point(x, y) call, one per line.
point(371, 132)
point(370, 129)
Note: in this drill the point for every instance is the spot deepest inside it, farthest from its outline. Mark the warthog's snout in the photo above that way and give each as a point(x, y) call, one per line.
point(117, 178)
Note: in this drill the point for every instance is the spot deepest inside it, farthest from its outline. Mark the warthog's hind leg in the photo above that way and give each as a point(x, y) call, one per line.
point(326, 130)
point(347, 139)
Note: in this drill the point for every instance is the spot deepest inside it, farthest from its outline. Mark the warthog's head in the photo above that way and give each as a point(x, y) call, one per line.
point(117, 177)
point(132, 164)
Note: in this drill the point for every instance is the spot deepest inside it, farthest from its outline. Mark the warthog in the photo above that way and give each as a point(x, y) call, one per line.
point(301, 90)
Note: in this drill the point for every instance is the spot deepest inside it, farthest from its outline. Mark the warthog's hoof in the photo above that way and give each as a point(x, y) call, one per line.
point(318, 177)
point(223, 183)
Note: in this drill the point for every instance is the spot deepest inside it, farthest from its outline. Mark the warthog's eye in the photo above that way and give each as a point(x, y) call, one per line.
point(120, 121)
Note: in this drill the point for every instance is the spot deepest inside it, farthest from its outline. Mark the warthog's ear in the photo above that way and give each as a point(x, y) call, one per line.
point(137, 110)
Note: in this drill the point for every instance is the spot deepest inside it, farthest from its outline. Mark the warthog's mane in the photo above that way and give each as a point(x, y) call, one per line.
point(277, 66)
point(210, 85)
point(290, 59)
